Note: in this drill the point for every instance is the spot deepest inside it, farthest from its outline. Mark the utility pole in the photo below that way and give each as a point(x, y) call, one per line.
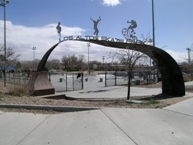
point(34, 48)
point(3, 4)
point(88, 44)
point(189, 59)
point(103, 57)
point(153, 30)
point(153, 24)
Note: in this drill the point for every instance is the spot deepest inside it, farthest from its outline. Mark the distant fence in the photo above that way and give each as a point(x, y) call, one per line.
point(60, 81)
point(16, 78)
point(121, 78)
point(74, 81)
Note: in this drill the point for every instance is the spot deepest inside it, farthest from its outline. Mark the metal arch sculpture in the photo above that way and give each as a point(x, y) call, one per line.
point(172, 79)
point(44, 59)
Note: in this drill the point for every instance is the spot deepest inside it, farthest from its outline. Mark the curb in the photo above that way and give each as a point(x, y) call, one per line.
point(44, 107)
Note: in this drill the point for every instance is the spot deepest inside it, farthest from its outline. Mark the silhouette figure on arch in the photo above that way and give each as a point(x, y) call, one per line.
point(95, 25)
point(59, 29)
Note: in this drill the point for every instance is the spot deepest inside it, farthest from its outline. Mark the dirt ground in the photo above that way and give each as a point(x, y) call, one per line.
point(146, 101)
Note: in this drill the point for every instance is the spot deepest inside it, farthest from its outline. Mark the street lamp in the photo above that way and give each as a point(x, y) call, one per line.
point(103, 57)
point(189, 59)
point(3, 4)
point(88, 44)
point(153, 24)
point(34, 48)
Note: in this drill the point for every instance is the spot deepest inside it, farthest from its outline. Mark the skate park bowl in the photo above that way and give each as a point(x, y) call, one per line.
point(172, 79)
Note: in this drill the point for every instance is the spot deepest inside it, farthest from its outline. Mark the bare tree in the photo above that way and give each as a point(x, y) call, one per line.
point(71, 62)
point(26, 65)
point(53, 64)
point(94, 64)
point(65, 62)
point(10, 60)
point(129, 58)
point(147, 39)
point(81, 62)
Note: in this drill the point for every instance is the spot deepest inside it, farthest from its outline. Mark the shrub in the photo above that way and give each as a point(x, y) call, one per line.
point(18, 90)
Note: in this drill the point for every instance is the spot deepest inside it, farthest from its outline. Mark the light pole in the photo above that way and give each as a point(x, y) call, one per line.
point(189, 59)
point(88, 44)
point(3, 4)
point(153, 24)
point(34, 48)
point(103, 57)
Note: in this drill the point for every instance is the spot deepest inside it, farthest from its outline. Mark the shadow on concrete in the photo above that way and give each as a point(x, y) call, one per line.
point(60, 97)
point(52, 108)
point(96, 91)
point(158, 97)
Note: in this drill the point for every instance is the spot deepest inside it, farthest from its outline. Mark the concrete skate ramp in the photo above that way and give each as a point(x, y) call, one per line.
point(172, 79)
point(39, 84)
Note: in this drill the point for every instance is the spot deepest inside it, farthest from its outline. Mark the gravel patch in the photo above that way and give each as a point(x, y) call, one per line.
point(148, 101)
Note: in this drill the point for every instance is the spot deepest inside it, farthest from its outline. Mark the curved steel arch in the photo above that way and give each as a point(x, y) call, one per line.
point(172, 79)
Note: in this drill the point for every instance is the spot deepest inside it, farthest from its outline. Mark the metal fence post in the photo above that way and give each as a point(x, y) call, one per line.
point(73, 81)
point(105, 79)
point(19, 77)
point(49, 76)
point(9, 77)
point(82, 81)
point(66, 82)
point(115, 78)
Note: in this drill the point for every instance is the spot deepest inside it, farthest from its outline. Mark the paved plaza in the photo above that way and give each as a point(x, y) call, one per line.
point(172, 125)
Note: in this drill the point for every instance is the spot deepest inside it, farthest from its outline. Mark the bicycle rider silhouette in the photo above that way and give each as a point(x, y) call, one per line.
point(132, 26)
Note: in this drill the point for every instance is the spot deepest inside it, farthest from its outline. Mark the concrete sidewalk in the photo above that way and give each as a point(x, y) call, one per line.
point(172, 125)
point(112, 92)
point(97, 90)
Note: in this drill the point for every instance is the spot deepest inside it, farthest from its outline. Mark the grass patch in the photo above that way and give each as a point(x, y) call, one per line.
point(1, 96)
point(49, 101)
point(152, 102)
point(18, 90)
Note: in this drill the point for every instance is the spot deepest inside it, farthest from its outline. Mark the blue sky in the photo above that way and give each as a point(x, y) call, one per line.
point(31, 23)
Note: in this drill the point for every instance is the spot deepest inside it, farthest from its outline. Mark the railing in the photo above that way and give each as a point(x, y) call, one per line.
point(16, 78)
point(66, 81)
point(75, 81)
point(61, 81)
point(121, 78)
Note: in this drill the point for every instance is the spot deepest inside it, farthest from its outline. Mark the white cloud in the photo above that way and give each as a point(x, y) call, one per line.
point(22, 39)
point(177, 56)
point(111, 2)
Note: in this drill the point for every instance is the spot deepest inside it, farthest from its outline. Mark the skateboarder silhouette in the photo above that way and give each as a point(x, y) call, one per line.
point(95, 25)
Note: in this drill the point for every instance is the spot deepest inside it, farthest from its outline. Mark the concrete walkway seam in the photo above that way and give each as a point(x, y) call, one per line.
point(177, 112)
point(33, 129)
point(118, 126)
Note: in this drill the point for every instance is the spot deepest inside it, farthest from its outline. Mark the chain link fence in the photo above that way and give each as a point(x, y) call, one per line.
point(75, 81)
point(15, 78)
point(138, 78)
point(66, 81)
point(60, 81)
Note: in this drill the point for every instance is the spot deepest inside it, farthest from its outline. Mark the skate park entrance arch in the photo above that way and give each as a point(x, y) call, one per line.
point(172, 79)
